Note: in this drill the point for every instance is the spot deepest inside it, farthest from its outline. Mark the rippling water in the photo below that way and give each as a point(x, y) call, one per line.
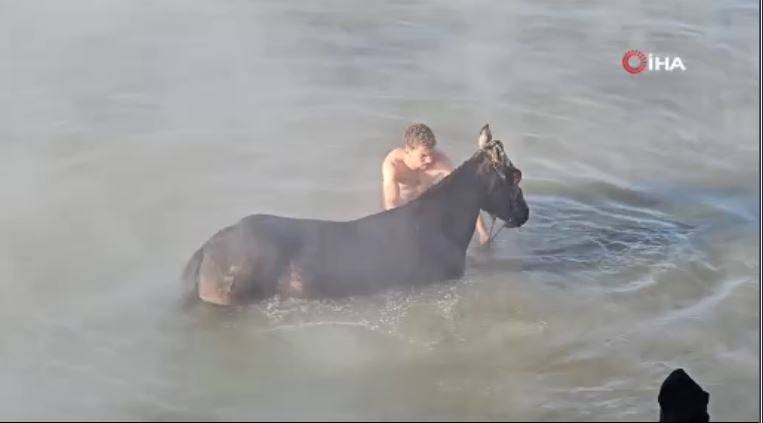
point(133, 131)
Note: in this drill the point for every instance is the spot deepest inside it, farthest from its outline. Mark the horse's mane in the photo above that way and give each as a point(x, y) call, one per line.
point(437, 188)
point(448, 180)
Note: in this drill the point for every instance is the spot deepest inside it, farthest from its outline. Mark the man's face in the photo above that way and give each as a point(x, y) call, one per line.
point(419, 157)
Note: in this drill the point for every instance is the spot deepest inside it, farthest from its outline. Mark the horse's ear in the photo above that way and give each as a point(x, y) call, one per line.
point(485, 136)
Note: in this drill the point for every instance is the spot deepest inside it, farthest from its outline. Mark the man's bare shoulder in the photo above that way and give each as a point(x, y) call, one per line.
point(391, 161)
point(394, 155)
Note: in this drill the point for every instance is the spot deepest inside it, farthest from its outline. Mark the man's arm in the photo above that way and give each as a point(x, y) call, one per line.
point(390, 187)
point(482, 233)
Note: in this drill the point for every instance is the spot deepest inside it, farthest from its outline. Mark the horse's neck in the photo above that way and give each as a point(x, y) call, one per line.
point(452, 206)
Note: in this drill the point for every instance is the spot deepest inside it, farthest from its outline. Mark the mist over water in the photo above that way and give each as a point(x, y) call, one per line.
point(132, 131)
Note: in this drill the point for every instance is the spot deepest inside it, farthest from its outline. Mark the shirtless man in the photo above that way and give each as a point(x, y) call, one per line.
point(409, 171)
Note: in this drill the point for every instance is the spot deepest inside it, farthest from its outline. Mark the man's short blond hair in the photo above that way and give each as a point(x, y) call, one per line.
point(419, 134)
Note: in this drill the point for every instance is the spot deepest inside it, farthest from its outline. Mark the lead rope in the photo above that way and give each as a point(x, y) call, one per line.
point(494, 235)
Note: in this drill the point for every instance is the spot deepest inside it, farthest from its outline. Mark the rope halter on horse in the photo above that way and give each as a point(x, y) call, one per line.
point(494, 235)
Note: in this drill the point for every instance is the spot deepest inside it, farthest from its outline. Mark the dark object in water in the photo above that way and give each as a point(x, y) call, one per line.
point(422, 241)
point(682, 400)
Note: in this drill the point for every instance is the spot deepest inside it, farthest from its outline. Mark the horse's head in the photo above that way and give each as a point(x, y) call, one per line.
point(503, 197)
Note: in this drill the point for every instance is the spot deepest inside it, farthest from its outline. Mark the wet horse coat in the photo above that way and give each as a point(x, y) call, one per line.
point(420, 242)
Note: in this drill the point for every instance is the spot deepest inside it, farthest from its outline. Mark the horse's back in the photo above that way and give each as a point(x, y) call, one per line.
point(261, 254)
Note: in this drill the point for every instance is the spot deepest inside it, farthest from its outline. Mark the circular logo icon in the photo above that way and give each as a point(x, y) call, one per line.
point(627, 62)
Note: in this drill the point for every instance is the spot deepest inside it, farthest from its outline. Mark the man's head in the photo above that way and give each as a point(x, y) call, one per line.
point(419, 143)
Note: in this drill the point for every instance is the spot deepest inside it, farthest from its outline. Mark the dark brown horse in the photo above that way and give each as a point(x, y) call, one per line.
point(420, 242)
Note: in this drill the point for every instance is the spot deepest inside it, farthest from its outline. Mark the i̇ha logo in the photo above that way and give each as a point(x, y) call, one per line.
point(635, 62)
